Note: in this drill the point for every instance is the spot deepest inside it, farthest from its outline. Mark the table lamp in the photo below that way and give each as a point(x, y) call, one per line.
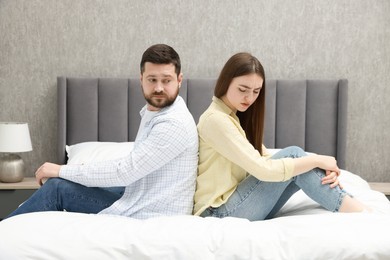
point(14, 138)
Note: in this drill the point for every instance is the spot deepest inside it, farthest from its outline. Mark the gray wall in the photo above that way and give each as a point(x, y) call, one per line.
point(40, 40)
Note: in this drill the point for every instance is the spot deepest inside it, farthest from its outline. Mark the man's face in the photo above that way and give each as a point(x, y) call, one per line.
point(160, 85)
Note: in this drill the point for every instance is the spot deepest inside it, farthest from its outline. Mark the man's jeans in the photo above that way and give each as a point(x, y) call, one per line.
point(258, 200)
point(62, 195)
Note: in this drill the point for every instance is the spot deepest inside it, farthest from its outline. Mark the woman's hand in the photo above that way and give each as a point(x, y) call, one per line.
point(332, 171)
point(331, 179)
point(327, 163)
point(47, 170)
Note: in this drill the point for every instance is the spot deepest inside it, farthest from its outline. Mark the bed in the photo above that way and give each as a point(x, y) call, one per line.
point(98, 117)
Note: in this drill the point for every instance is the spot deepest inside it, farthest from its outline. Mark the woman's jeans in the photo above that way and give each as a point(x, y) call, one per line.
point(62, 195)
point(258, 200)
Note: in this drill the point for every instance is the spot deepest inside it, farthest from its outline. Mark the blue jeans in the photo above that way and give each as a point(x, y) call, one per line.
point(258, 200)
point(59, 194)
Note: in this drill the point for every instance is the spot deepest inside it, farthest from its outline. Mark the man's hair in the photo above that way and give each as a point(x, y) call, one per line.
point(161, 54)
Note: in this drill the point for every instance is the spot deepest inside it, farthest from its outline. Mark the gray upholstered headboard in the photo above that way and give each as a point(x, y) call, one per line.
point(311, 114)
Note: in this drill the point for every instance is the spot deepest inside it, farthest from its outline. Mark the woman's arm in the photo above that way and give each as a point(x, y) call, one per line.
point(223, 134)
point(327, 163)
point(307, 163)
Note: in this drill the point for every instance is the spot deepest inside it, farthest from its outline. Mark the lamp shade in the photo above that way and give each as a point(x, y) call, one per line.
point(14, 137)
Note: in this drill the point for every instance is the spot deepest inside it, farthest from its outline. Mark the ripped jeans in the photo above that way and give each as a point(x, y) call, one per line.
point(258, 200)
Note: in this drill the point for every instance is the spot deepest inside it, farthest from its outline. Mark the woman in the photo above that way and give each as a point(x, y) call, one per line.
point(236, 175)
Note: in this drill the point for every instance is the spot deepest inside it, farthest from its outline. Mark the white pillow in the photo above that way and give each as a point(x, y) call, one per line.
point(97, 151)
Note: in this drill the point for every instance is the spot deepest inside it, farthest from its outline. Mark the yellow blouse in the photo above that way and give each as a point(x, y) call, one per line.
point(226, 156)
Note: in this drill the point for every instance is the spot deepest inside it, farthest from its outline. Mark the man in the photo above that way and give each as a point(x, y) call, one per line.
point(159, 174)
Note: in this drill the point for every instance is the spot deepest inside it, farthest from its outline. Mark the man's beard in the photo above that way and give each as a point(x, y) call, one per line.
point(162, 101)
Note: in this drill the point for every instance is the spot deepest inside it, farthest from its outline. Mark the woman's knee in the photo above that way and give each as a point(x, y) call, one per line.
point(290, 152)
point(295, 151)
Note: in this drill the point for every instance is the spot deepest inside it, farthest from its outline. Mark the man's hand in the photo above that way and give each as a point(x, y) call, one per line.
point(47, 170)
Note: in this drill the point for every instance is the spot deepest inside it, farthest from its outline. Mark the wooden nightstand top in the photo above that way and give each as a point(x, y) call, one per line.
point(28, 183)
point(383, 187)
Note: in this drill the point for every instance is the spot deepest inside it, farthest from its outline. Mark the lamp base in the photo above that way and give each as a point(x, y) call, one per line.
point(11, 168)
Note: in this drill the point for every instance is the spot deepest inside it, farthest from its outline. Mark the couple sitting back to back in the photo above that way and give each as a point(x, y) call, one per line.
point(159, 176)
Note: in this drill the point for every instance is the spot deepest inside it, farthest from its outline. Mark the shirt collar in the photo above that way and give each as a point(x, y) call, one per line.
point(223, 106)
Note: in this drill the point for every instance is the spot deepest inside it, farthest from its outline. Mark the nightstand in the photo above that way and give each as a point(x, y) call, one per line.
point(383, 187)
point(13, 194)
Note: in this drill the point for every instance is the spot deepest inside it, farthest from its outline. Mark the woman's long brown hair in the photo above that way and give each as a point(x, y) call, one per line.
point(252, 120)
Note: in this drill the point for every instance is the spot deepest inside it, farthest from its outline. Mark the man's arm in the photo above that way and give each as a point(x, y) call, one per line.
point(166, 140)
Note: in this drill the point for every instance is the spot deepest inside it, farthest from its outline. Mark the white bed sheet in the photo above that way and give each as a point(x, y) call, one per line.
point(302, 230)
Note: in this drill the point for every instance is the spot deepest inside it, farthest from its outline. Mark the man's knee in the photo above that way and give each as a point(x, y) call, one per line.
point(54, 184)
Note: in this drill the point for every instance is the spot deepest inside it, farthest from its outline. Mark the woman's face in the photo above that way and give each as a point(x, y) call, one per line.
point(242, 92)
